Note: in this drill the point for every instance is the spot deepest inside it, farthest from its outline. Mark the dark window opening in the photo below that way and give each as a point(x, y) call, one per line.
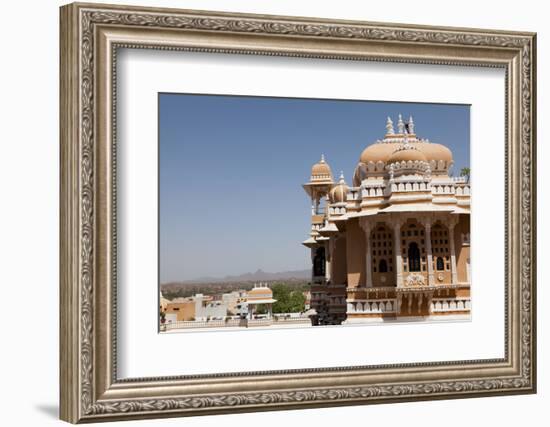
point(414, 257)
point(319, 262)
point(383, 266)
point(439, 263)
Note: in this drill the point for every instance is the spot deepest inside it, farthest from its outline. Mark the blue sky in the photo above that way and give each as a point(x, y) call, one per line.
point(231, 170)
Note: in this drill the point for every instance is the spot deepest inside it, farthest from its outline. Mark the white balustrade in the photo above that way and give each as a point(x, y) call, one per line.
point(443, 189)
point(408, 186)
point(337, 210)
point(353, 195)
point(372, 306)
point(440, 305)
point(375, 191)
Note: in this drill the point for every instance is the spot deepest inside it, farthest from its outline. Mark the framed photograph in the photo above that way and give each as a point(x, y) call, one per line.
point(266, 212)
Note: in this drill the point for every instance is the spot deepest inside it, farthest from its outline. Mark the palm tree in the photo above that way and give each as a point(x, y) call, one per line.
point(465, 172)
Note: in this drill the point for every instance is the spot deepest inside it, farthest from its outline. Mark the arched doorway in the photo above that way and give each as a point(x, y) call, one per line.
point(413, 257)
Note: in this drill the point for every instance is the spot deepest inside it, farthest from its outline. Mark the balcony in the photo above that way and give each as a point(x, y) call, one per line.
point(380, 306)
point(445, 305)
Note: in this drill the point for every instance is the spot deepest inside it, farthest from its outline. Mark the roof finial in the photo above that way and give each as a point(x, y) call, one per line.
point(322, 158)
point(389, 127)
point(400, 125)
point(411, 124)
point(342, 180)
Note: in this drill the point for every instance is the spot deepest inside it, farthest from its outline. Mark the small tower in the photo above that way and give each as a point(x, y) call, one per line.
point(410, 125)
point(389, 127)
point(400, 126)
point(319, 185)
point(339, 192)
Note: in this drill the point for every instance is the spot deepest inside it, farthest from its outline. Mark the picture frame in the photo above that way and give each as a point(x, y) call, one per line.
point(91, 35)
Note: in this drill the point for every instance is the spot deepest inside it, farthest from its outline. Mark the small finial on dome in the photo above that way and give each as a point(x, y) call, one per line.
point(389, 127)
point(342, 180)
point(400, 125)
point(322, 158)
point(410, 125)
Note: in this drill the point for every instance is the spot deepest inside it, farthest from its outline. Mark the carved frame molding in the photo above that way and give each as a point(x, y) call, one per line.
point(90, 37)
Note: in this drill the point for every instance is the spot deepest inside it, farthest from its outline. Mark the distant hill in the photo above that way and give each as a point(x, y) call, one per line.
point(296, 279)
point(257, 276)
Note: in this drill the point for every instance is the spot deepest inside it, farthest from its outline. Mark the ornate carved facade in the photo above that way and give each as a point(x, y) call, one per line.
point(395, 244)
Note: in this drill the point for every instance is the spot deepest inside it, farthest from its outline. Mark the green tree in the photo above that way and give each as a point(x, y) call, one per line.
point(288, 300)
point(297, 302)
point(282, 294)
point(465, 172)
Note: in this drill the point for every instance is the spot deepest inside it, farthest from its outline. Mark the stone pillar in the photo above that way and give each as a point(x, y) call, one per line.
point(454, 277)
point(312, 255)
point(398, 258)
point(429, 258)
point(328, 259)
point(368, 258)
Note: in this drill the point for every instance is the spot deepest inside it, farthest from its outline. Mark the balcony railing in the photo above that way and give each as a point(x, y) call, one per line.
point(373, 306)
point(440, 305)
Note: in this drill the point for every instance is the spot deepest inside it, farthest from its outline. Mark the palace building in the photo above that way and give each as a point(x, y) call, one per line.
point(395, 244)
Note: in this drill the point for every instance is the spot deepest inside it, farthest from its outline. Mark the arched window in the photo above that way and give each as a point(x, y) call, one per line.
point(439, 263)
point(383, 266)
point(319, 262)
point(414, 257)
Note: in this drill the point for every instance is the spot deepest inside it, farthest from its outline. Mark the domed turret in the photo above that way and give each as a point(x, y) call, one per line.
point(435, 152)
point(340, 191)
point(378, 152)
point(321, 171)
point(381, 151)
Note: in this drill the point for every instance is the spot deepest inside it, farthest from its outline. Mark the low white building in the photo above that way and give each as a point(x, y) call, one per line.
point(207, 308)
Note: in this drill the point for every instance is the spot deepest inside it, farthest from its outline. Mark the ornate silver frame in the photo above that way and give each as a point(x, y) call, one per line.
point(90, 36)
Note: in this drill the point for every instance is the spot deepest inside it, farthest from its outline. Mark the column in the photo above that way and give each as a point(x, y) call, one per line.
point(454, 277)
point(368, 258)
point(429, 258)
point(397, 249)
point(328, 259)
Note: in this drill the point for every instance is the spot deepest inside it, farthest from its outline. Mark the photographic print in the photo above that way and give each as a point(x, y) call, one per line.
point(295, 213)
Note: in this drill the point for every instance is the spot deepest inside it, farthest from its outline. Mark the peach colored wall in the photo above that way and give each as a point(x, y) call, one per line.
point(355, 251)
point(339, 267)
point(462, 292)
point(462, 252)
point(184, 310)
